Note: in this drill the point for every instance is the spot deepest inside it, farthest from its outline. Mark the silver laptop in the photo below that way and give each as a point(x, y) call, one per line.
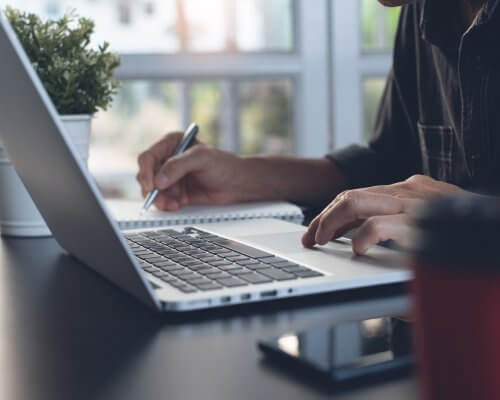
point(177, 269)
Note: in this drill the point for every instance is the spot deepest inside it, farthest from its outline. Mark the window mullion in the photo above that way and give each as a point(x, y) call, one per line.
point(230, 116)
point(346, 83)
point(184, 88)
point(313, 108)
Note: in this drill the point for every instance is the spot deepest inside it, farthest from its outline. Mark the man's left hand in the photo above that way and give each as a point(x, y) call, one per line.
point(380, 212)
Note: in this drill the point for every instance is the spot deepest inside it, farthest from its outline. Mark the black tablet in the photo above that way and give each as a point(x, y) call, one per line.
point(347, 351)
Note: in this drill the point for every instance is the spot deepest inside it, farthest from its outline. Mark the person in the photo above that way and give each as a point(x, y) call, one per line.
point(436, 133)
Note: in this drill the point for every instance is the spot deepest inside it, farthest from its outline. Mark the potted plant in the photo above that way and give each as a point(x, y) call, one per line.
point(79, 81)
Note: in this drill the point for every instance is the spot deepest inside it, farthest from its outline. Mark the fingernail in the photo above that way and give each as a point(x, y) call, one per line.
point(161, 181)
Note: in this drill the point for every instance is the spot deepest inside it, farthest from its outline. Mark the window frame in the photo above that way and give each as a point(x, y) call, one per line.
point(306, 65)
point(351, 65)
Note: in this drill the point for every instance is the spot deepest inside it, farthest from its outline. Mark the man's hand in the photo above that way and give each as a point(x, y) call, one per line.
point(380, 212)
point(200, 175)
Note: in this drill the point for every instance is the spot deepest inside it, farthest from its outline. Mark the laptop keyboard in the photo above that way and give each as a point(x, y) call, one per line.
point(193, 261)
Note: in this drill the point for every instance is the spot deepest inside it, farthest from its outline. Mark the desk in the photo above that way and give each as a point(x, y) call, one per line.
point(65, 333)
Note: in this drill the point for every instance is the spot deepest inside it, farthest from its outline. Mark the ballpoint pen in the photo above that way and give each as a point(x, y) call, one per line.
point(187, 140)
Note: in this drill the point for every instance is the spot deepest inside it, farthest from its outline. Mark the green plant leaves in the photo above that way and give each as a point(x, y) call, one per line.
point(78, 79)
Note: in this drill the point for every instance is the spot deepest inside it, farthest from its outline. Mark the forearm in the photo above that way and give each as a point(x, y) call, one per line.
point(308, 182)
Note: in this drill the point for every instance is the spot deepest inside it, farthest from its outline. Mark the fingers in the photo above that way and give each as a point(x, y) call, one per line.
point(308, 239)
point(351, 208)
point(169, 200)
point(177, 167)
point(151, 160)
point(145, 176)
point(173, 198)
point(379, 229)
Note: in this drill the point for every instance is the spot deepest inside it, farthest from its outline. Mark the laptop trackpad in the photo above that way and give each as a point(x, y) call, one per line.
point(289, 242)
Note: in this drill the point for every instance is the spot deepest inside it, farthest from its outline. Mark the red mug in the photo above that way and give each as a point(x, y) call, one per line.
point(456, 260)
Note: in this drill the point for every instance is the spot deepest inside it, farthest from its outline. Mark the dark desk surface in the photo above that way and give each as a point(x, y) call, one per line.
point(65, 333)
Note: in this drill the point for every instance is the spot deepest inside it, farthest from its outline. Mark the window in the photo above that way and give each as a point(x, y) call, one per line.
point(266, 117)
point(378, 26)
point(259, 76)
point(363, 36)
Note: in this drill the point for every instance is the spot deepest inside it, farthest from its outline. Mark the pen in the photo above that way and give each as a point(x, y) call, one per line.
point(187, 140)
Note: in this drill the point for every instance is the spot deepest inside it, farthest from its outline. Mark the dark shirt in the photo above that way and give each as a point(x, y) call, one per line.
point(440, 112)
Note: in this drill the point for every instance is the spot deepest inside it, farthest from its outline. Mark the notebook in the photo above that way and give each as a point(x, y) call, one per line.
point(128, 214)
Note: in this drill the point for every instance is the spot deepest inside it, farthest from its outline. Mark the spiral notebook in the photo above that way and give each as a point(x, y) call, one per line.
point(128, 214)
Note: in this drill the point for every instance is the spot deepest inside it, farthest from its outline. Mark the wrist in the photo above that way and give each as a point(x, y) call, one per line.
point(310, 182)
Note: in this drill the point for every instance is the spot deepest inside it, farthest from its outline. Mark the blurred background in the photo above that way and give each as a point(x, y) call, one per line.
point(259, 76)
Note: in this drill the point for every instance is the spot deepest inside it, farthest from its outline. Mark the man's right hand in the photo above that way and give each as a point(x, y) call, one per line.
point(200, 175)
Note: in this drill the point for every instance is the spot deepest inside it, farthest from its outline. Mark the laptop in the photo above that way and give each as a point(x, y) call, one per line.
point(172, 269)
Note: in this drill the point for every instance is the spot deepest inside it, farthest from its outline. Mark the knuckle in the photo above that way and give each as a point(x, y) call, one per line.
point(144, 157)
point(198, 149)
point(373, 225)
point(322, 224)
point(350, 199)
point(417, 179)
point(175, 135)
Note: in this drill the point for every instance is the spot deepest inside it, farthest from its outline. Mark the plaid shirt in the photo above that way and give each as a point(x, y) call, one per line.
point(440, 112)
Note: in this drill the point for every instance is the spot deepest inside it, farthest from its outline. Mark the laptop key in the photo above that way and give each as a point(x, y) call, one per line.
point(276, 274)
point(170, 268)
point(230, 254)
point(189, 277)
point(232, 282)
point(193, 278)
point(206, 271)
point(199, 281)
point(181, 272)
point(256, 267)
point(241, 248)
point(237, 258)
point(272, 260)
point(308, 274)
point(164, 264)
point(295, 269)
point(199, 266)
point(209, 286)
point(255, 278)
point(187, 289)
point(177, 283)
point(248, 261)
point(218, 275)
point(211, 258)
point(220, 262)
point(285, 264)
point(169, 279)
point(189, 263)
point(239, 271)
point(229, 267)
point(152, 257)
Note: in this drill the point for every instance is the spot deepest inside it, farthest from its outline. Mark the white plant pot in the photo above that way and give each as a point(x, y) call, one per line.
point(18, 214)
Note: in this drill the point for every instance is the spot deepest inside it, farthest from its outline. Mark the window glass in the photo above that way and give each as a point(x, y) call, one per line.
point(373, 88)
point(263, 25)
point(142, 112)
point(267, 117)
point(170, 26)
point(378, 25)
point(206, 107)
